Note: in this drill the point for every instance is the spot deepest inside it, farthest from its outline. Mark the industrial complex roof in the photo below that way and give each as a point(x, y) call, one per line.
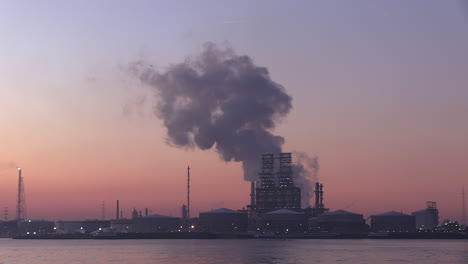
point(341, 212)
point(158, 216)
point(34, 220)
point(283, 211)
point(392, 213)
point(223, 211)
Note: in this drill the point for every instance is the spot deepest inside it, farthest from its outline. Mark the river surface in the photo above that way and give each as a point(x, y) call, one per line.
point(233, 251)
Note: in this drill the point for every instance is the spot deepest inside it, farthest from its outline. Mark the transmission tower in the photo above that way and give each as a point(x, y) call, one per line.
point(188, 192)
point(21, 205)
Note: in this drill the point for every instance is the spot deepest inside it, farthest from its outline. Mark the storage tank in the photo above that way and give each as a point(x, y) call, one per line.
point(342, 222)
point(393, 222)
point(223, 220)
point(283, 221)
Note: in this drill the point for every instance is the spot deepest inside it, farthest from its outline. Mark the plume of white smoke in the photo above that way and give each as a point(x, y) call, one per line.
point(222, 100)
point(305, 171)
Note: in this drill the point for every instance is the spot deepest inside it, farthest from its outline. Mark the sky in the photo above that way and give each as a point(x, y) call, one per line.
point(379, 94)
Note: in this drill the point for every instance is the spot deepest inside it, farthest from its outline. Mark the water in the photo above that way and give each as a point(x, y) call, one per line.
point(232, 251)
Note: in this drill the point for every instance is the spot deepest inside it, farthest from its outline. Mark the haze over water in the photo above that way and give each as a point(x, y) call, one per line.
point(233, 251)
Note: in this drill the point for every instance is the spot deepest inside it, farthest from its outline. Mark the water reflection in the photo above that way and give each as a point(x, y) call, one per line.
point(233, 251)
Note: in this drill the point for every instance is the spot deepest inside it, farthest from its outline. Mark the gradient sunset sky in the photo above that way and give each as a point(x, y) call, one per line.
point(380, 91)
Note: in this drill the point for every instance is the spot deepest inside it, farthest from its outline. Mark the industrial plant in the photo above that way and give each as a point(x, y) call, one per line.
point(274, 211)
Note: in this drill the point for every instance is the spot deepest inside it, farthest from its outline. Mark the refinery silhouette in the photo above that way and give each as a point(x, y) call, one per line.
point(274, 211)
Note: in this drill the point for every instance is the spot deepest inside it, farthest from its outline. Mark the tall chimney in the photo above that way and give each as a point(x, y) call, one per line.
point(21, 202)
point(117, 211)
point(321, 196)
point(252, 195)
point(146, 211)
point(317, 195)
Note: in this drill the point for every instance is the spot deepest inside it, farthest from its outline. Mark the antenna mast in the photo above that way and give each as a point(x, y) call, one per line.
point(188, 192)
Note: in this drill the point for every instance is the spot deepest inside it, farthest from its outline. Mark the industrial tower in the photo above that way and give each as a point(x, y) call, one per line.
point(277, 189)
point(188, 192)
point(21, 204)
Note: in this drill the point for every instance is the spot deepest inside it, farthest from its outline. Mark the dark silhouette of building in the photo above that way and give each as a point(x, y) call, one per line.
point(223, 220)
point(156, 223)
point(277, 189)
point(36, 227)
point(81, 227)
point(342, 222)
point(427, 219)
point(282, 221)
point(8, 228)
point(393, 222)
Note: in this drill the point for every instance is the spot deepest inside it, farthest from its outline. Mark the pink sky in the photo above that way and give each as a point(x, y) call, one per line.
point(380, 99)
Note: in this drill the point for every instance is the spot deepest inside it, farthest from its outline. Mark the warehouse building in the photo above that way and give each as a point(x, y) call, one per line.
point(223, 220)
point(36, 226)
point(156, 223)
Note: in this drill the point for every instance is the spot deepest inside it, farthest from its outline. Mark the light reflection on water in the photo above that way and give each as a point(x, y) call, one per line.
point(233, 251)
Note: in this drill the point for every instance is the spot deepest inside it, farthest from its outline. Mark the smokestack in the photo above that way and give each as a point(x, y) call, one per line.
point(146, 211)
point(317, 195)
point(321, 196)
point(117, 211)
point(21, 202)
point(103, 211)
point(252, 195)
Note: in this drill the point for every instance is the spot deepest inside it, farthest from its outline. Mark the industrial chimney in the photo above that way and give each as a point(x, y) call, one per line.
point(21, 202)
point(117, 211)
point(321, 196)
point(317, 195)
point(252, 195)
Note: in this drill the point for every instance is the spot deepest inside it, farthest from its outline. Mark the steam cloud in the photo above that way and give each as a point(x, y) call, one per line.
point(8, 165)
point(223, 100)
point(305, 172)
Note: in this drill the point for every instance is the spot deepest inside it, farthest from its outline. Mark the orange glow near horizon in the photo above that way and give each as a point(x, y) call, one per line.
point(381, 100)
